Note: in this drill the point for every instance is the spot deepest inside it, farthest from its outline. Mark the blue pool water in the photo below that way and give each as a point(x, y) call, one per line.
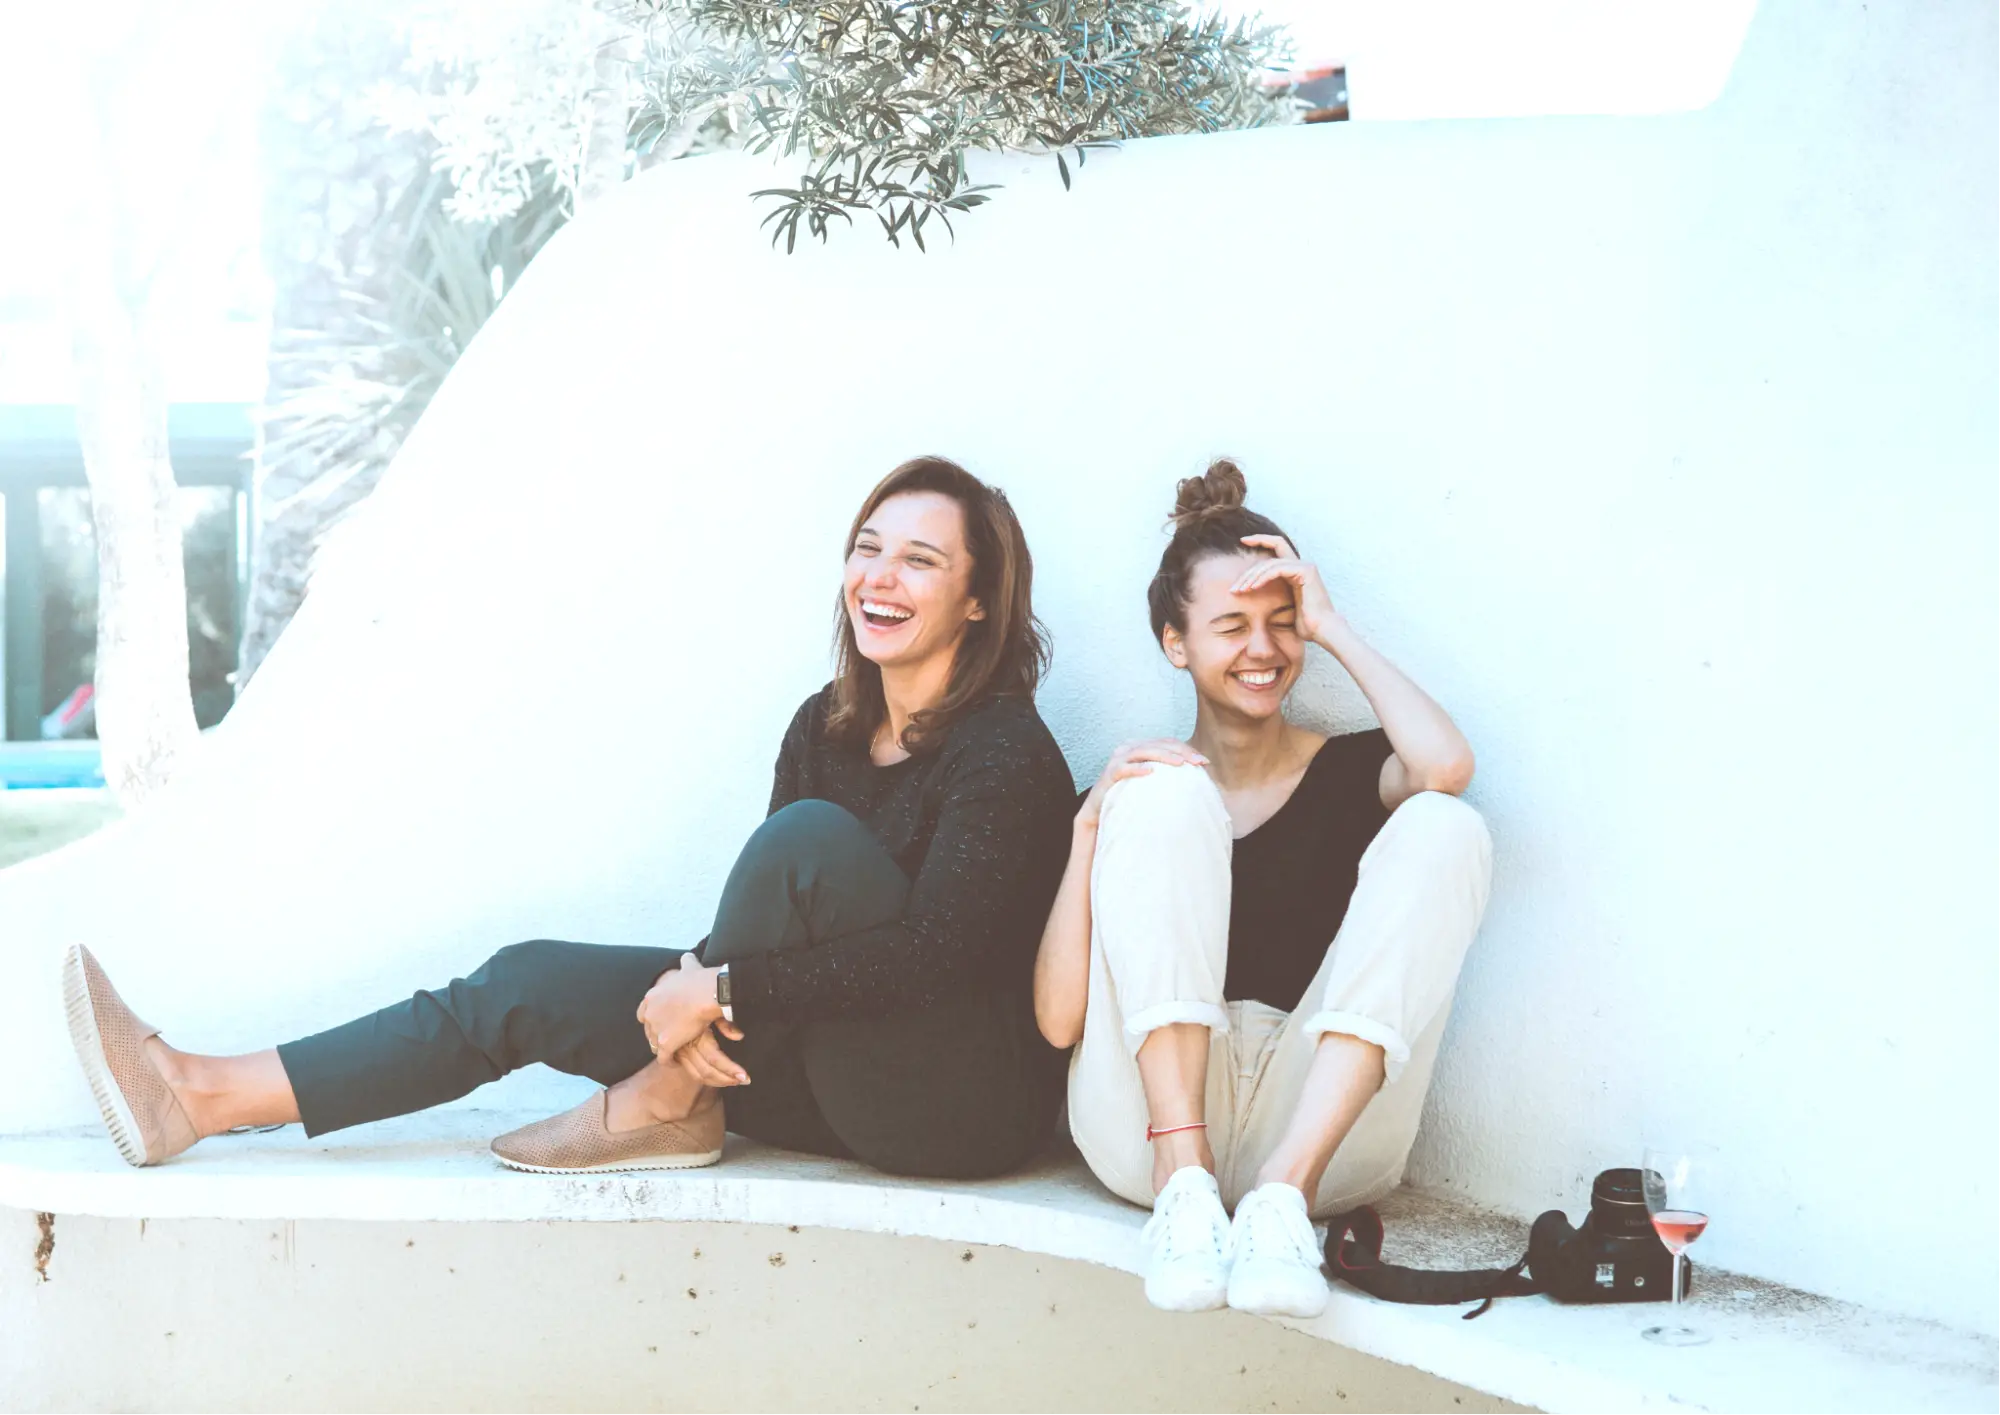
point(26, 766)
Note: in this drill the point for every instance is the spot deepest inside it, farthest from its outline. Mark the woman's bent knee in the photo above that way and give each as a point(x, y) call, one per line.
point(1159, 895)
point(811, 870)
point(806, 834)
point(1169, 818)
point(805, 826)
point(1163, 849)
point(522, 970)
point(1446, 819)
point(1169, 803)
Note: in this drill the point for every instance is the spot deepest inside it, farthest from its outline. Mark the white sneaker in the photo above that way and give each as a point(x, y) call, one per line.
point(1189, 1236)
point(1275, 1255)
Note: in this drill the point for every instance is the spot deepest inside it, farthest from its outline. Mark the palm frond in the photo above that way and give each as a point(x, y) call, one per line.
point(353, 395)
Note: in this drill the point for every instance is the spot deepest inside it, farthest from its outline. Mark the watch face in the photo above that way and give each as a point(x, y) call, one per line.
point(722, 986)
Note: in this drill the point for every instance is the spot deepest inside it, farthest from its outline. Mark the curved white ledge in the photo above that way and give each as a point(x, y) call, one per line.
point(435, 1167)
point(1775, 1348)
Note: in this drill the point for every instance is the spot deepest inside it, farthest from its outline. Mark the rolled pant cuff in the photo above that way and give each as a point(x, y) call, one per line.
point(1141, 1025)
point(1395, 1051)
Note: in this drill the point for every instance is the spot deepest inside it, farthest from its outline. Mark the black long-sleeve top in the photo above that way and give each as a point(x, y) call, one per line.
point(981, 827)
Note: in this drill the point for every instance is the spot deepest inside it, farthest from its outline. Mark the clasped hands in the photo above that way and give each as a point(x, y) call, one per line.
point(681, 1017)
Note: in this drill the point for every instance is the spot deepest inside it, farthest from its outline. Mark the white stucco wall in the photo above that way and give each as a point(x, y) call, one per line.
point(1661, 450)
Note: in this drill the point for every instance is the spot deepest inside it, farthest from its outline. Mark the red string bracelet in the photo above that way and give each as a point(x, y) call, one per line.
point(1152, 1134)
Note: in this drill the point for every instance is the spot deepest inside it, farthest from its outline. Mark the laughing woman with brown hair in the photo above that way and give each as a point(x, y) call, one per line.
point(865, 990)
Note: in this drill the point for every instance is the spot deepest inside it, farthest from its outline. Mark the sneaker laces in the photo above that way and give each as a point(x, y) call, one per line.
point(1183, 1225)
point(1267, 1227)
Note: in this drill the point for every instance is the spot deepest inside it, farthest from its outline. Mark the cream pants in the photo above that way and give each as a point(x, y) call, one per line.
point(1159, 947)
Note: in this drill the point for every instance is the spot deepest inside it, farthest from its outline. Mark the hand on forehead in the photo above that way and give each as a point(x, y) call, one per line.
point(1210, 593)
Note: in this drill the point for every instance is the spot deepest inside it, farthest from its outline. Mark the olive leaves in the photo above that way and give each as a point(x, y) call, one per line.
point(884, 98)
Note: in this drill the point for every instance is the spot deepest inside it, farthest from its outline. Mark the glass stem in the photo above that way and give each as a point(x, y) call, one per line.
point(1677, 1282)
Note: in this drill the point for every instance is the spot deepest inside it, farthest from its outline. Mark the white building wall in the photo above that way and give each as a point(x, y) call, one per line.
point(1661, 450)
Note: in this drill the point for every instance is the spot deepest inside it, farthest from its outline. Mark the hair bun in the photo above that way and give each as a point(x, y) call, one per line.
point(1216, 492)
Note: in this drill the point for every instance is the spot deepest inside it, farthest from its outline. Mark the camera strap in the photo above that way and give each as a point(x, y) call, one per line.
point(1354, 1254)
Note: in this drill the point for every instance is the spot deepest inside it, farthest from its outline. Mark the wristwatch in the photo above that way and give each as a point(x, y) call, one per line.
point(722, 994)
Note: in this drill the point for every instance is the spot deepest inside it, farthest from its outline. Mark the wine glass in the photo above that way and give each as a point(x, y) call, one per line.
point(1678, 1181)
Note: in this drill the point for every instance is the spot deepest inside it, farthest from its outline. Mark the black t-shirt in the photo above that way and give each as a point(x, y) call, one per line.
point(981, 827)
point(1291, 877)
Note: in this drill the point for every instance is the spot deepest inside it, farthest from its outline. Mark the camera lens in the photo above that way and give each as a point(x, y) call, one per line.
point(1618, 1204)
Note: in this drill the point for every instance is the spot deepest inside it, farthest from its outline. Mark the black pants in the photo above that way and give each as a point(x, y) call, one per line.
point(958, 1090)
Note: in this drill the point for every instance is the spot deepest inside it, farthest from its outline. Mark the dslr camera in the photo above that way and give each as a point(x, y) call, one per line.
point(1614, 1257)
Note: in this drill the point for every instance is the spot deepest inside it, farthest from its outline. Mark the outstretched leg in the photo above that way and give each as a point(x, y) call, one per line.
point(545, 1000)
point(567, 1004)
point(957, 1089)
point(220, 1093)
point(570, 1006)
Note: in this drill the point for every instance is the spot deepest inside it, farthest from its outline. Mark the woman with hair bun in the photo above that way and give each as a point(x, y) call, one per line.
point(1256, 940)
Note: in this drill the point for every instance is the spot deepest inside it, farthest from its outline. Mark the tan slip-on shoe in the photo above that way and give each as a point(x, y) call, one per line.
point(139, 1109)
point(580, 1142)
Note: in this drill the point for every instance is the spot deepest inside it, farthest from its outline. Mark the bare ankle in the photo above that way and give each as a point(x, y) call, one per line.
point(171, 1064)
point(1178, 1151)
point(1276, 1172)
point(656, 1095)
point(183, 1075)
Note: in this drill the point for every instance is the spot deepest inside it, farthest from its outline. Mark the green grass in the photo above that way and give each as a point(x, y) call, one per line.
point(35, 822)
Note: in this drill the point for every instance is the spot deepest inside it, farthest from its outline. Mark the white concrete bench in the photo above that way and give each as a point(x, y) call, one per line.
point(1774, 1348)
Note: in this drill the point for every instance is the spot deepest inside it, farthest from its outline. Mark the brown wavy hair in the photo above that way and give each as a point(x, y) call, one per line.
point(1005, 652)
point(1209, 518)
